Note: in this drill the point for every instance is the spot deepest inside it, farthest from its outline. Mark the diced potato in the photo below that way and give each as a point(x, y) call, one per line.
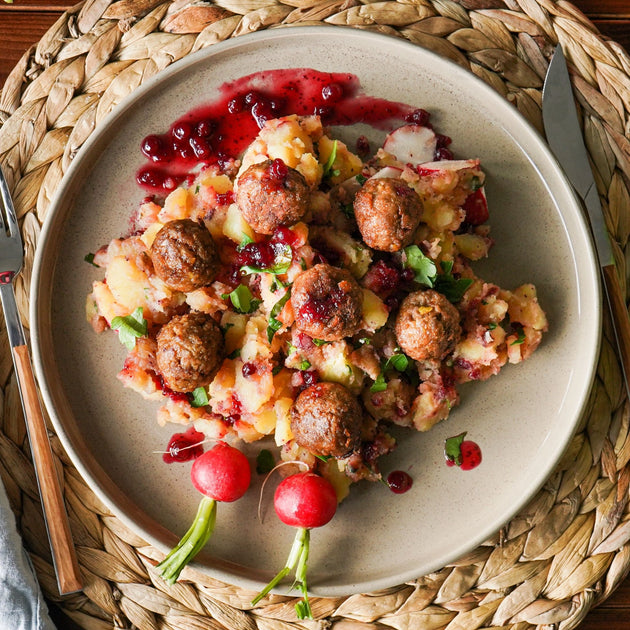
point(127, 283)
point(375, 313)
point(219, 183)
point(283, 432)
point(523, 307)
point(355, 256)
point(234, 326)
point(473, 246)
point(345, 164)
point(178, 205)
point(235, 226)
point(150, 233)
point(338, 478)
point(265, 420)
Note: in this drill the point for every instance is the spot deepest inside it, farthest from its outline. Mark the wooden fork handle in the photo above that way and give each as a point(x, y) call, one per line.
point(64, 555)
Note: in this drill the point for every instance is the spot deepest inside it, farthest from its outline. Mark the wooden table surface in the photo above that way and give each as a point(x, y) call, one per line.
point(25, 21)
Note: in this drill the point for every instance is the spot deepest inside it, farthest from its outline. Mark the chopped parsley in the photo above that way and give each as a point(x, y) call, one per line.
point(399, 362)
point(235, 354)
point(130, 328)
point(319, 342)
point(361, 179)
point(304, 365)
point(328, 167)
point(89, 258)
point(274, 324)
point(242, 299)
point(199, 397)
point(520, 338)
point(425, 273)
point(453, 448)
point(246, 240)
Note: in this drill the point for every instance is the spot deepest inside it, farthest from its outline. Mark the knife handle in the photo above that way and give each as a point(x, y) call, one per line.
point(620, 317)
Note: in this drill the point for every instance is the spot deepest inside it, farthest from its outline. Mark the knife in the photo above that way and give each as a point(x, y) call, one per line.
point(564, 136)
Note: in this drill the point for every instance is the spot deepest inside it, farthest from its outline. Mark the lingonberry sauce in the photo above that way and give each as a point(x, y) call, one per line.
point(470, 455)
point(222, 129)
point(183, 447)
point(399, 481)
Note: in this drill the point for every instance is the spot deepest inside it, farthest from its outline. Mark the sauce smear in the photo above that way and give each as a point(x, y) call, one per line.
point(221, 130)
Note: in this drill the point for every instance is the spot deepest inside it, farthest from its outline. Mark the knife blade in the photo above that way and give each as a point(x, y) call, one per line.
point(566, 141)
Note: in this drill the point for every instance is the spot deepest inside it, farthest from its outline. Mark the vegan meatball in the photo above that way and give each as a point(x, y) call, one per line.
point(271, 194)
point(387, 212)
point(327, 303)
point(427, 326)
point(189, 351)
point(326, 419)
point(184, 255)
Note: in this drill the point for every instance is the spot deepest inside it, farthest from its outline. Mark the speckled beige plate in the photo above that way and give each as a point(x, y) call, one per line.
point(522, 418)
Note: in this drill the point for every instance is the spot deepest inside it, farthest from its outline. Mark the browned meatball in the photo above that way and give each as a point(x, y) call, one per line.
point(326, 420)
point(327, 303)
point(427, 326)
point(189, 351)
point(184, 255)
point(271, 194)
point(388, 212)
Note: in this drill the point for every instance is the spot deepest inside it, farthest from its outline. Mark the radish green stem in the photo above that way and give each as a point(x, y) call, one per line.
point(192, 541)
point(298, 556)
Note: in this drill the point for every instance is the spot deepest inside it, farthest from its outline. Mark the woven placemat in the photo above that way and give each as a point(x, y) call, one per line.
point(566, 551)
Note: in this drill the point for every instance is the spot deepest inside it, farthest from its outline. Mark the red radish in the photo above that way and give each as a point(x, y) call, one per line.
point(221, 474)
point(476, 207)
point(304, 500)
point(411, 144)
point(432, 168)
point(387, 171)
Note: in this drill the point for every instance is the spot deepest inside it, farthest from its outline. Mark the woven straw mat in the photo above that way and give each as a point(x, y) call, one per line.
point(568, 549)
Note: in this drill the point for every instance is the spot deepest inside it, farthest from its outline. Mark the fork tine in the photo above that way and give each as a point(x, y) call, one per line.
point(8, 222)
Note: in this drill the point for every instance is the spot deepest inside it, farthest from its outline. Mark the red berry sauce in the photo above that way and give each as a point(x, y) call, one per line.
point(183, 447)
point(399, 481)
point(222, 129)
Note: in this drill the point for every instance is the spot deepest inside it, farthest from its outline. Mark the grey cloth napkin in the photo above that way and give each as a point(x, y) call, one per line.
point(22, 605)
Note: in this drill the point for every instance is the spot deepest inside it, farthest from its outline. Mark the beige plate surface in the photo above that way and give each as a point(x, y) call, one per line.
point(522, 418)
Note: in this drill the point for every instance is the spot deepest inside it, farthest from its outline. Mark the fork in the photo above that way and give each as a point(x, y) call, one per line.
point(55, 516)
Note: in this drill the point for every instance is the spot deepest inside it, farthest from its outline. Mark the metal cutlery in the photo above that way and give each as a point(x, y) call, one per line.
point(565, 138)
point(57, 525)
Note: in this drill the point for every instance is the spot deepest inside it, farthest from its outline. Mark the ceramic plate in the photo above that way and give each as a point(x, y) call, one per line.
point(523, 418)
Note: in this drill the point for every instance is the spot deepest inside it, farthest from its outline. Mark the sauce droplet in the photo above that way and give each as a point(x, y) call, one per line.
point(463, 453)
point(399, 481)
point(183, 447)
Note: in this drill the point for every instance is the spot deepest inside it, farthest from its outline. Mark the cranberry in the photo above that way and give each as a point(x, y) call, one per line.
point(442, 140)
point(249, 369)
point(261, 111)
point(201, 148)
point(235, 105)
point(443, 154)
point(182, 130)
point(332, 92)
point(278, 171)
point(285, 235)
point(407, 274)
point(418, 117)
point(225, 199)
point(205, 128)
point(304, 378)
point(399, 481)
point(156, 149)
point(261, 255)
point(382, 279)
point(232, 419)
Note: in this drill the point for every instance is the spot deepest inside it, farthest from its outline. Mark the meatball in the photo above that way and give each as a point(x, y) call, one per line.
point(427, 326)
point(326, 419)
point(189, 351)
point(271, 194)
point(327, 303)
point(184, 255)
point(387, 212)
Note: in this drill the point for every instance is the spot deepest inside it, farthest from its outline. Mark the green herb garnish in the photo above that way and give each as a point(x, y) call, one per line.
point(453, 448)
point(449, 286)
point(328, 167)
point(520, 338)
point(304, 365)
point(199, 397)
point(89, 258)
point(130, 328)
point(423, 267)
point(242, 299)
point(274, 324)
